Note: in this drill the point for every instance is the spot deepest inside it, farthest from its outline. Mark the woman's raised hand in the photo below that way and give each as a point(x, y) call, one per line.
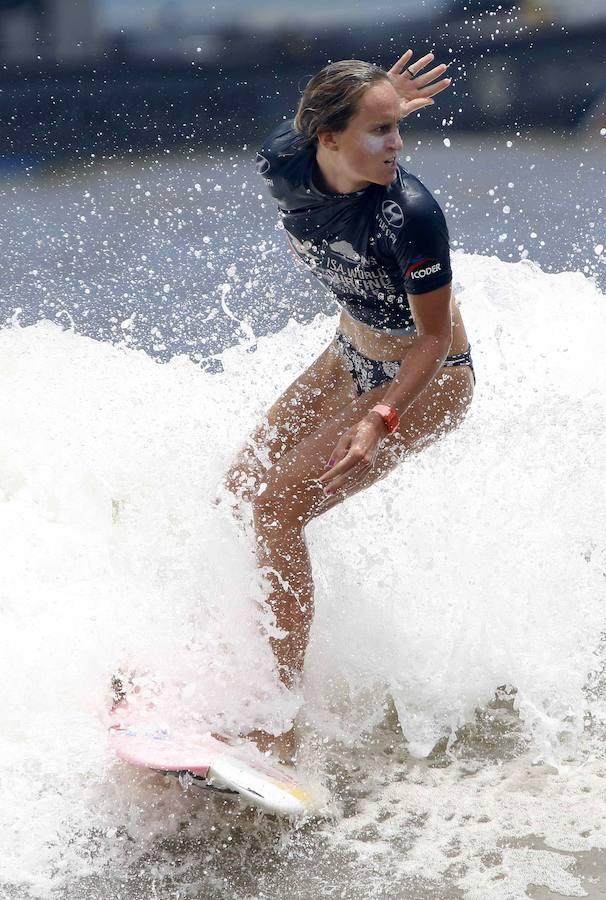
point(415, 90)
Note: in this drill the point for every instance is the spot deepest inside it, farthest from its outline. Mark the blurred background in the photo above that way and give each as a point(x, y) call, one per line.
point(109, 75)
point(128, 130)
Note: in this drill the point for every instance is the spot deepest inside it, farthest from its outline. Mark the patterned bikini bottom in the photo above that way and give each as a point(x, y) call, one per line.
point(370, 373)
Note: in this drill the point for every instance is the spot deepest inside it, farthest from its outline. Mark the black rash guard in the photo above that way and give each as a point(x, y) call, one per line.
point(370, 248)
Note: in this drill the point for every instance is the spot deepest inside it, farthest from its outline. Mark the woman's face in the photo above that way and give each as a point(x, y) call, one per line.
point(369, 146)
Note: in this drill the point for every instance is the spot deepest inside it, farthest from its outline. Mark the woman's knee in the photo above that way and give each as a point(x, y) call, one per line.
point(245, 475)
point(266, 447)
point(242, 481)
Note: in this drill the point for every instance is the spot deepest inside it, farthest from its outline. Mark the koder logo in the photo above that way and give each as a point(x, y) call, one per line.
point(392, 213)
point(428, 270)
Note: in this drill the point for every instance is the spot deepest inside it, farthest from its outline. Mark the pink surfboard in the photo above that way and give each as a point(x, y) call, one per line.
point(213, 764)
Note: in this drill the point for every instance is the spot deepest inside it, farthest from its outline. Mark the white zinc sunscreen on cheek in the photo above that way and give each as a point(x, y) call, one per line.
point(374, 144)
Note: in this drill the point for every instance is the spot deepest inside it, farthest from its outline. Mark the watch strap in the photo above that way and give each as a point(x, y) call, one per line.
point(389, 415)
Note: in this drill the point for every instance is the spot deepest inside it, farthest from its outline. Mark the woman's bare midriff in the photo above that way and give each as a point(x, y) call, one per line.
point(385, 347)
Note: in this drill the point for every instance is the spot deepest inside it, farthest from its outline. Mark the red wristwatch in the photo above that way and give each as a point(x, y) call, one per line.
point(390, 416)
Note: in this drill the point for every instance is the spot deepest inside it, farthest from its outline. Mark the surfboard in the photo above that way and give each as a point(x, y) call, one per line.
point(201, 760)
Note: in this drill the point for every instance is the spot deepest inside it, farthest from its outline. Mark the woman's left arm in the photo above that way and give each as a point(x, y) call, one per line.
point(355, 453)
point(433, 321)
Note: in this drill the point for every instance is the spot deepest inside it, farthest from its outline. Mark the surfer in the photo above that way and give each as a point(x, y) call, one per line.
point(398, 373)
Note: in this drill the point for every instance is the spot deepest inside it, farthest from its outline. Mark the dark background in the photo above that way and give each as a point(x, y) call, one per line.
point(83, 77)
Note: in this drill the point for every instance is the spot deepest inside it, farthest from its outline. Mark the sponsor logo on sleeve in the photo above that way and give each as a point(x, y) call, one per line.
point(422, 268)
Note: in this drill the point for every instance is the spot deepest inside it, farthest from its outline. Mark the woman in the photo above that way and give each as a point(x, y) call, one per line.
point(398, 373)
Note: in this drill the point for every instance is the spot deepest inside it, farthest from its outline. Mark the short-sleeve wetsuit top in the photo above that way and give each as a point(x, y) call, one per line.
point(370, 248)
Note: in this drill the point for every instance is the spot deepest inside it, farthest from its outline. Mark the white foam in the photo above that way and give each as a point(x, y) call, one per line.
point(479, 563)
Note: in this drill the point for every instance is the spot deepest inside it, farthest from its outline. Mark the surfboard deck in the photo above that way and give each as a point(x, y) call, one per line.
point(202, 760)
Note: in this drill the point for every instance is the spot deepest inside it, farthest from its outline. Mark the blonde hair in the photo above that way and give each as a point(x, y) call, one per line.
point(331, 96)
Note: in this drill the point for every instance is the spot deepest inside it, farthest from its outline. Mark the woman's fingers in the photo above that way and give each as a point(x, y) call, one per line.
point(420, 64)
point(414, 87)
point(330, 478)
point(430, 76)
point(434, 89)
point(355, 464)
point(356, 470)
point(397, 68)
point(353, 456)
point(402, 67)
point(340, 451)
point(338, 468)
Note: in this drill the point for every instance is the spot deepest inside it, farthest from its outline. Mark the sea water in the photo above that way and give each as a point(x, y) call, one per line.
point(453, 701)
point(453, 706)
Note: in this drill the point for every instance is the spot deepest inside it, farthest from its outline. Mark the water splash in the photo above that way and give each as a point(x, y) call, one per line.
point(479, 563)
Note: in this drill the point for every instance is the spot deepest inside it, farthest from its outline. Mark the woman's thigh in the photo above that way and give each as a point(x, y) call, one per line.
point(314, 397)
point(293, 490)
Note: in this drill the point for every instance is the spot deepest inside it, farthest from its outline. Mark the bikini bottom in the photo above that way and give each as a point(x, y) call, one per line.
point(370, 373)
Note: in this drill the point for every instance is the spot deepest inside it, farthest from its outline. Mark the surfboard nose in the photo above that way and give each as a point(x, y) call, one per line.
point(264, 786)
